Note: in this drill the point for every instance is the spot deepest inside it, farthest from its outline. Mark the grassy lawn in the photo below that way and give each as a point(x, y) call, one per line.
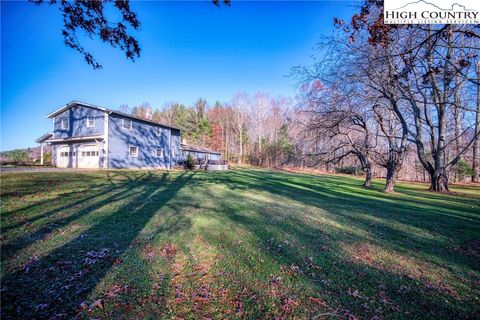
point(248, 243)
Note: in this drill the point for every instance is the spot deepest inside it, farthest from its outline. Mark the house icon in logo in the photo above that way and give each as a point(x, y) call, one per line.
point(422, 4)
point(431, 12)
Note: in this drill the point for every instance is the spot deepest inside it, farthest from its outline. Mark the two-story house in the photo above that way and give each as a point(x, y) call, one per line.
point(89, 136)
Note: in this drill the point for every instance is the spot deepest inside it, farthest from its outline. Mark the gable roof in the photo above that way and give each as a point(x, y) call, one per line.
point(109, 111)
point(189, 147)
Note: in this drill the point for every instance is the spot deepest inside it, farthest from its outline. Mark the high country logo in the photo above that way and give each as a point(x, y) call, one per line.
point(425, 12)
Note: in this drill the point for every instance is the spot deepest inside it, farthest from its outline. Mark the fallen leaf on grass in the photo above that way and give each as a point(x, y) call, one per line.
point(93, 256)
point(116, 290)
point(117, 261)
point(97, 304)
point(318, 301)
point(310, 264)
point(169, 250)
point(289, 304)
point(354, 293)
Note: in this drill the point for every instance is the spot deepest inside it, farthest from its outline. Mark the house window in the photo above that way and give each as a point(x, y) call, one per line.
point(159, 152)
point(133, 151)
point(127, 124)
point(64, 123)
point(91, 121)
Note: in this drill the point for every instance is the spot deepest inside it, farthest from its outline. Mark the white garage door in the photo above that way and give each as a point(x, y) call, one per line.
point(64, 154)
point(88, 157)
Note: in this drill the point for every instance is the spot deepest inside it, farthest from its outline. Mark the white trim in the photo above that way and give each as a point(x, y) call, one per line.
point(77, 138)
point(162, 153)
point(134, 155)
point(71, 104)
point(88, 121)
point(105, 140)
point(61, 123)
point(41, 153)
point(170, 148)
point(131, 124)
point(84, 104)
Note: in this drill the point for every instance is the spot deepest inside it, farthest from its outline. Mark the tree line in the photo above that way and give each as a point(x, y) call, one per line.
point(251, 129)
point(395, 101)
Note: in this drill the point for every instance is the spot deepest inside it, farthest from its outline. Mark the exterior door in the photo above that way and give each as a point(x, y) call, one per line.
point(88, 157)
point(63, 157)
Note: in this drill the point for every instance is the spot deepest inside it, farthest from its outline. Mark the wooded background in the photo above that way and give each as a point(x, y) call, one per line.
point(393, 101)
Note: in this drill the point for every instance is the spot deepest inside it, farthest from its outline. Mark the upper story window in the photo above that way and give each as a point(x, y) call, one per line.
point(127, 124)
point(159, 152)
point(64, 123)
point(133, 151)
point(91, 121)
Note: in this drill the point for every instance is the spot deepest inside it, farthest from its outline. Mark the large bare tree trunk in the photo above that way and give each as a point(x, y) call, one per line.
point(392, 172)
point(476, 150)
point(439, 177)
point(367, 167)
point(439, 182)
point(458, 128)
point(240, 156)
point(368, 177)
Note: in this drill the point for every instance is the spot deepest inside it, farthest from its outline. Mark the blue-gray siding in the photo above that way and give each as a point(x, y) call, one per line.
point(143, 135)
point(77, 127)
point(176, 150)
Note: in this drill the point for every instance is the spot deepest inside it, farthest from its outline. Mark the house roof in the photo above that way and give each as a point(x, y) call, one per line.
point(75, 103)
point(44, 137)
point(189, 147)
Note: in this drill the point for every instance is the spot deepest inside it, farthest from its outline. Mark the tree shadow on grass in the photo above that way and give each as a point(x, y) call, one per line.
point(316, 255)
point(419, 229)
point(84, 197)
point(69, 212)
point(56, 284)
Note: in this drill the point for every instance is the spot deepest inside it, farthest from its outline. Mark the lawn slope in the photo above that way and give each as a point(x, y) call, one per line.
point(247, 243)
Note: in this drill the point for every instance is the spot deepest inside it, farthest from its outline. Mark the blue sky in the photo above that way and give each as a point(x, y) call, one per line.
point(189, 50)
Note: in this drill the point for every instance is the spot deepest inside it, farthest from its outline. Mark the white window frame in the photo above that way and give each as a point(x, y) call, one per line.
point(123, 124)
point(161, 153)
point(133, 155)
point(67, 121)
point(88, 121)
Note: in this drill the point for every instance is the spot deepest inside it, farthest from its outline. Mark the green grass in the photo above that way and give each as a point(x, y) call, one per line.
point(248, 243)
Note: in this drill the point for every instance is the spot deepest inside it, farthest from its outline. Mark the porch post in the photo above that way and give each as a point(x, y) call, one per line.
point(41, 153)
